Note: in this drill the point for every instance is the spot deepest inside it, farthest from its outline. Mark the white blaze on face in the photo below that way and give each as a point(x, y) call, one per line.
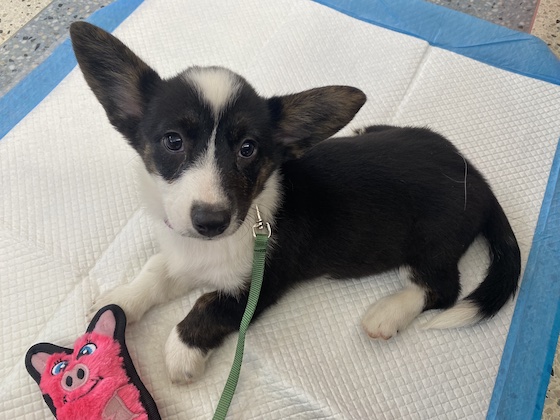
point(217, 86)
point(201, 182)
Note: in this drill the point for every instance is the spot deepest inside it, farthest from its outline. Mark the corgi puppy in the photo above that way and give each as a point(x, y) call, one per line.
point(212, 148)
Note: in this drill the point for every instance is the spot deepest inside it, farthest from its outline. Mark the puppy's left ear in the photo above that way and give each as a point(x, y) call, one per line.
point(304, 119)
point(120, 80)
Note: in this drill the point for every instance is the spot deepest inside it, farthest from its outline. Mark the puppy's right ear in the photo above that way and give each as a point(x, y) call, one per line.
point(121, 81)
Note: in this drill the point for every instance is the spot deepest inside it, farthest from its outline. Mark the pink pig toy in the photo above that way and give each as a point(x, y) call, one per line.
point(96, 379)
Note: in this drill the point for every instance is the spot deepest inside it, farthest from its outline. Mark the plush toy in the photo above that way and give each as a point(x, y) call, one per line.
point(96, 379)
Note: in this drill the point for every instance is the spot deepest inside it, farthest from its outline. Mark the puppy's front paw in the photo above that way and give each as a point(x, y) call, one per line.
point(122, 296)
point(185, 364)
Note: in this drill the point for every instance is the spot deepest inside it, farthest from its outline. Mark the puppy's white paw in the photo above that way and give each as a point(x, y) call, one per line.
point(185, 364)
point(385, 318)
point(123, 296)
point(381, 320)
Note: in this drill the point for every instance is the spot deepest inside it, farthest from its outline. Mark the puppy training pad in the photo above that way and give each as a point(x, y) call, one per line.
point(72, 225)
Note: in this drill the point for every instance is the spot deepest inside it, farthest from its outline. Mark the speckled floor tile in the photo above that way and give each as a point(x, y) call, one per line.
point(16, 13)
point(513, 14)
point(546, 26)
point(29, 46)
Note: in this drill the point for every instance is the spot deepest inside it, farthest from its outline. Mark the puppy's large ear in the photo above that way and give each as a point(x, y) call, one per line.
point(303, 119)
point(121, 81)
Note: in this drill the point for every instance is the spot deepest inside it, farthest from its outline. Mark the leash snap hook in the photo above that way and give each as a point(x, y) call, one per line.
point(261, 225)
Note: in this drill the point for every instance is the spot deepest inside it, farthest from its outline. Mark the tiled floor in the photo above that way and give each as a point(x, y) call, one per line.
point(43, 31)
point(31, 29)
point(517, 16)
point(546, 24)
point(16, 13)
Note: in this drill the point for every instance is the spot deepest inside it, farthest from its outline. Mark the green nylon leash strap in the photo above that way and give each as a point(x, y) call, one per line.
point(259, 255)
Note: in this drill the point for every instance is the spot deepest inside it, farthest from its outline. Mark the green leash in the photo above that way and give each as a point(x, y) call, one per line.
point(261, 233)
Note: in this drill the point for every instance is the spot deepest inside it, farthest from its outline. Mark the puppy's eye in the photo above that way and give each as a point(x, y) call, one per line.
point(173, 142)
point(248, 148)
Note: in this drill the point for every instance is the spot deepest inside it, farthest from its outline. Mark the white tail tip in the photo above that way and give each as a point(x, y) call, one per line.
point(462, 314)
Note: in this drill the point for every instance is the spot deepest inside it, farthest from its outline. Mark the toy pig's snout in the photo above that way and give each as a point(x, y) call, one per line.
point(75, 377)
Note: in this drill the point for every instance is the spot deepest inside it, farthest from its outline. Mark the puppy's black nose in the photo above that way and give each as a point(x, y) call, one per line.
point(209, 220)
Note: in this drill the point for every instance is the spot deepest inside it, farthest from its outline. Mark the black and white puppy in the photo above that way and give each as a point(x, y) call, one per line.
point(343, 207)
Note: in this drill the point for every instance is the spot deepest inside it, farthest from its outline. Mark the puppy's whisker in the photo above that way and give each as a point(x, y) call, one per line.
point(463, 181)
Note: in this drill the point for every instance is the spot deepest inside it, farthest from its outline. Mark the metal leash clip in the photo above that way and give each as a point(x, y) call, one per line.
point(261, 225)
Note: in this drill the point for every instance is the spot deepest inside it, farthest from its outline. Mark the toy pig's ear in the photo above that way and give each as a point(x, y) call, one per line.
point(38, 355)
point(36, 363)
point(39, 362)
point(109, 321)
point(106, 324)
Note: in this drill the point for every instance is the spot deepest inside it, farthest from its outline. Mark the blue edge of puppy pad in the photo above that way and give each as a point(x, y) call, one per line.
point(526, 364)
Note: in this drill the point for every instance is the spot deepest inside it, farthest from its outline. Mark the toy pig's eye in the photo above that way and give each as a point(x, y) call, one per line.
point(59, 367)
point(87, 349)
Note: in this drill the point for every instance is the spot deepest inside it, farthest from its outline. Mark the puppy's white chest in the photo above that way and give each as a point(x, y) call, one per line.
point(224, 265)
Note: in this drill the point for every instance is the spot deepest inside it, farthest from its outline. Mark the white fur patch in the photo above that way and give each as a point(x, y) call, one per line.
point(386, 317)
point(151, 287)
point(462, 314)
point(216, 86)
point(223, 263)
point(184, 364)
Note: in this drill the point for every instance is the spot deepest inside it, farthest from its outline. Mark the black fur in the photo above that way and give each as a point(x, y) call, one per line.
point(357, 206)
point(351, 207)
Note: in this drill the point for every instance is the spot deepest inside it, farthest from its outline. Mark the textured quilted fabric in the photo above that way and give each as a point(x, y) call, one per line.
point(72, 226)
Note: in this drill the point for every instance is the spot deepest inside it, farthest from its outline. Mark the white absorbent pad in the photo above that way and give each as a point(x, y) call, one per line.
point(72, 225)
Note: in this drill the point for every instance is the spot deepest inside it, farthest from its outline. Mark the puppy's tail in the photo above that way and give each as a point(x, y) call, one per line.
point(501, 279)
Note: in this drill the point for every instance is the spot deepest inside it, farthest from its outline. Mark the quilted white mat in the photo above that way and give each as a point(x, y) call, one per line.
point(72, 226)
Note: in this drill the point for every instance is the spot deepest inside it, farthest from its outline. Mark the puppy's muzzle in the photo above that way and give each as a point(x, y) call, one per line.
point(210, 220)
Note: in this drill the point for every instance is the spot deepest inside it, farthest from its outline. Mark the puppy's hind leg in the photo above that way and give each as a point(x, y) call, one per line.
point(432, 286)
point(391, 314)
